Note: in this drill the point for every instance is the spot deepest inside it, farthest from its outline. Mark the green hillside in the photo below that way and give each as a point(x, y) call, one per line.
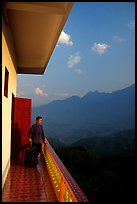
point(106, 179)
point(121, 143)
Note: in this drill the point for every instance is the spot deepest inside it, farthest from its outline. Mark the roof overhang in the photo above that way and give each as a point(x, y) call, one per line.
point(35, 28)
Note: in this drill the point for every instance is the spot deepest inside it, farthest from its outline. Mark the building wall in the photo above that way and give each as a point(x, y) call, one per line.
point(7, 107)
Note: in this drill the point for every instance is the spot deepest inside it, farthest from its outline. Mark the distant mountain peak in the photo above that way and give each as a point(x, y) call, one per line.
point(95, 113)
point(132, 86)
point(89, 95)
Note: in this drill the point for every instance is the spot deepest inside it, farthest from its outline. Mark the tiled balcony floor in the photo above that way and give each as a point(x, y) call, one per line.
point(28, 184)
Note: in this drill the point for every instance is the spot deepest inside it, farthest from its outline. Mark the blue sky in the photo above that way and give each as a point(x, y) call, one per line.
point(95, 51)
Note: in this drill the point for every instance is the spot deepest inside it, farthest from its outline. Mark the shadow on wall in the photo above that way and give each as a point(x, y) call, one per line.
point(16, 141)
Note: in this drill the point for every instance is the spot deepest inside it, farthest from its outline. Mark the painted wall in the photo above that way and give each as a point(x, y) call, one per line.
point(6, 107)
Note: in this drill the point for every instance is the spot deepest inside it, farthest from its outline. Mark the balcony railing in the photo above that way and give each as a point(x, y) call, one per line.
point(66, 189)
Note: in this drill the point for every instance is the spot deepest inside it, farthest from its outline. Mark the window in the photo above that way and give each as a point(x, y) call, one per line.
point(6, 82)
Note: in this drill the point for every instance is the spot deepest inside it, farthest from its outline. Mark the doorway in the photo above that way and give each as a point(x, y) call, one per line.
point(20, 124)
point(12, 128)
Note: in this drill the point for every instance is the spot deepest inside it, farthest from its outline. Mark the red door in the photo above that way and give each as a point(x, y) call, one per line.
point(22, 122)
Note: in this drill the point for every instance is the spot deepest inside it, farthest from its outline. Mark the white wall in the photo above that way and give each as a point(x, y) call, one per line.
point(6, 107)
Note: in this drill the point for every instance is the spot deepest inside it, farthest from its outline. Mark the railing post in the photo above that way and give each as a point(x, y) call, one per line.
point(64, 185)
point(62, 191)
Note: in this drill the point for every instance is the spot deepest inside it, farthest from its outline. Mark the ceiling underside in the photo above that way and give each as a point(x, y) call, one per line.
point(35, 28)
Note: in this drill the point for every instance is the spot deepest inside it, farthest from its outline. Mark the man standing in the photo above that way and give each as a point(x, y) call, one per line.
point(36, 135)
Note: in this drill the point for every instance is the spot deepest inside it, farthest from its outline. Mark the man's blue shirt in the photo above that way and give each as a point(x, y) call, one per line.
point(36, 133)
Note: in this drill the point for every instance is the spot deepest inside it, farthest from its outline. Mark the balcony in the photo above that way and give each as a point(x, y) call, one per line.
point(50, 181)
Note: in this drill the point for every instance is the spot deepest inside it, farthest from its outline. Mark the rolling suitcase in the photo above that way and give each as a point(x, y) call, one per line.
point(30, 159)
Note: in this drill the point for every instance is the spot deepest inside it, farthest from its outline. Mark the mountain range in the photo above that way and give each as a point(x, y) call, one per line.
point(121, 143)
point(95, 113)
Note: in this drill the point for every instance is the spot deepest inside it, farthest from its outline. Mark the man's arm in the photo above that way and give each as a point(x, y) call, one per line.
point(43, 136)
point(30, 133)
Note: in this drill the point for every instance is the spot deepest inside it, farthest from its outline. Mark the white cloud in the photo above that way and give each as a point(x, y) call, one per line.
point(119, 39)
point(73, 60)
point(100, 48)
point(65, 39)
point(20, 93)
point(78, 71)
point(131, 24)
point(39, 91)
point(62, 94)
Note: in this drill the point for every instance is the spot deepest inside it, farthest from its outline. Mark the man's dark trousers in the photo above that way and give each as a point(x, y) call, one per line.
point(38, 147)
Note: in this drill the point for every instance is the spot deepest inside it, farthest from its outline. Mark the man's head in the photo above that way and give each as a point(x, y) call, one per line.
point(38, 120)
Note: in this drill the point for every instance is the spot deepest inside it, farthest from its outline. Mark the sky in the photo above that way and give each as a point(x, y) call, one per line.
point(95, 51)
